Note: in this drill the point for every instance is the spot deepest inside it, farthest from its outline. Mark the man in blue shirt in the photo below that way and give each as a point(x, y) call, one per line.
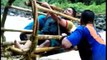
point(87, 32)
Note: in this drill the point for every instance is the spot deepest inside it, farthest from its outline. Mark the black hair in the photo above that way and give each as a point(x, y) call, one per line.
point(87, 16)
point(74, 12)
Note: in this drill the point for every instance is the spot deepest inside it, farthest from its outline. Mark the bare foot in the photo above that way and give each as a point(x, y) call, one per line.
point(17, 44)
point(45, 44)
point(20, 46)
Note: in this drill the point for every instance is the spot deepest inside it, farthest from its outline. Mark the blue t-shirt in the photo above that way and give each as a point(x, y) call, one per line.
point(46, 26)
point(41, 20)
point(98, 50)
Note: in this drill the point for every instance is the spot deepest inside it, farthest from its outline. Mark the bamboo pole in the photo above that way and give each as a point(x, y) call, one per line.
point(44, 37)
point(9, 3)
point(34, 38)
point(44, 49)
point(43, 8)
point(29, 10)
point(15, 30)
point(53, 7)
point(56, 12)
point(3, 39)
point(36, 50)
point(59, 13)
point(24, 9)
point(40, 37)
point(11, 43)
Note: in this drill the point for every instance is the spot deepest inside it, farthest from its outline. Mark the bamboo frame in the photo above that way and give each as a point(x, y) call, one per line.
point(35, 36)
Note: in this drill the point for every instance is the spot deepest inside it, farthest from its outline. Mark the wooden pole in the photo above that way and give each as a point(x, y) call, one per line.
point(24, 9)
point(36, 50)
point(15, 30)
point(53, 7)
point(3, 39)
point(9, 3)
point(40, 37)
point(11, 43)
point(34, 38)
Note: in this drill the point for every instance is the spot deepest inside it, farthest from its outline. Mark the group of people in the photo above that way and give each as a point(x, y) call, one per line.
point(90, 45)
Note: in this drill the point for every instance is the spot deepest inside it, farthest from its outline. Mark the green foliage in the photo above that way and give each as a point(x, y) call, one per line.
point(53, 1)
point(98, 2)
point(3, 2)
point(81, 7)
point(19, 3)
point(65, 4)
point(89, 2)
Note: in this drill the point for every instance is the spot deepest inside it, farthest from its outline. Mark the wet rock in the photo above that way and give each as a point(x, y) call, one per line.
point(100, 22)
point(15, 12)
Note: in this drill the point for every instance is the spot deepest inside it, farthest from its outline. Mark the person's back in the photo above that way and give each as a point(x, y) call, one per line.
point(84, 48)
point(94, 50)
point(95, 42)
point(98, 49)
point(87, 31)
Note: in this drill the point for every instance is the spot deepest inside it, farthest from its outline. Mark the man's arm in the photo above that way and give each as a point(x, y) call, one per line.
point(66, 43)
point(73, 39)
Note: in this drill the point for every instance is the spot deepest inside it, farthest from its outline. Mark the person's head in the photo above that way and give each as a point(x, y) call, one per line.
point(87, 16)
point(70, 11)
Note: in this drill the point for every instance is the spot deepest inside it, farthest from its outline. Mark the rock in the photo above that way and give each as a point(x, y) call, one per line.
point(100, 22)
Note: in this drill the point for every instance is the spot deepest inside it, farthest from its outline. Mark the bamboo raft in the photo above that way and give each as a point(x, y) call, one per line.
point(33, 49)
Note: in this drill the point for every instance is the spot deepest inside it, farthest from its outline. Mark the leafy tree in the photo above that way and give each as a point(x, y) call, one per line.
point(88, 2)
point(3, 2)
point(98, 2)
